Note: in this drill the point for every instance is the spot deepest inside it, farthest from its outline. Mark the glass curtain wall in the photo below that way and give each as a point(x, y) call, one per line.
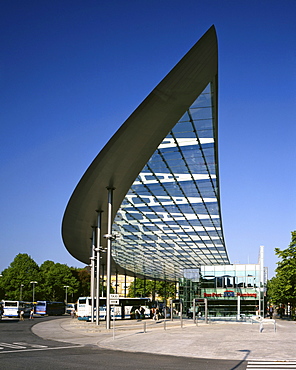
point(230, 290)
point(170, 218)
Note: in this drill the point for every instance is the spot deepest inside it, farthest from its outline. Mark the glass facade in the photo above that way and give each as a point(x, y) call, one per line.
point(170, 218)
point(230, 290)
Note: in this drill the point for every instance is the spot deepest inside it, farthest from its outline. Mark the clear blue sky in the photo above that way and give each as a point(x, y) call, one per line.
point(73, 71)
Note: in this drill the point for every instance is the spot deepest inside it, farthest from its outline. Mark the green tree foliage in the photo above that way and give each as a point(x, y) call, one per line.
point(16, 278)
point(51, 278)
point(149, 288)
point(55, 276)
point(282, 287)
point(83, 277)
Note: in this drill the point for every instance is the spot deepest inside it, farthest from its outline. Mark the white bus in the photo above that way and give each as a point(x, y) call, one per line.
point(13, 308)
point(127, 308)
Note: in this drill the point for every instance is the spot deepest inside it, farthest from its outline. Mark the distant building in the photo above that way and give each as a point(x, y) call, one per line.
point(231, 290)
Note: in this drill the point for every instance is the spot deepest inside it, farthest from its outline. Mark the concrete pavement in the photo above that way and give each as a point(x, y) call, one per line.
point(216, 340)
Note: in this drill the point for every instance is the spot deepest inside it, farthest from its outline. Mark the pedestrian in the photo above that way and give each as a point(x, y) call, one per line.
point(22, 315)
point(257, 311)
point(32, 314)
point(152, 313)
point(137, 314)
point(142, 312)
point(156, 315)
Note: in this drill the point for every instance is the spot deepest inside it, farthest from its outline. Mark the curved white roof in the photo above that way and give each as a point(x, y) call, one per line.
point(162, 209)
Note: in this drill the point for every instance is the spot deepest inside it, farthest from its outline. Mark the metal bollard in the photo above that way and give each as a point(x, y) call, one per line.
point(164, 324)
point(145, 331)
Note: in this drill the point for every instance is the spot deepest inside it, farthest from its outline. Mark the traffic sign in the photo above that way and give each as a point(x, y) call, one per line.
point(114, 302)
point(114, 296)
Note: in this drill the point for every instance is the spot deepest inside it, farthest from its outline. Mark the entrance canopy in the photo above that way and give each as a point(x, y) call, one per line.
point(162, 164)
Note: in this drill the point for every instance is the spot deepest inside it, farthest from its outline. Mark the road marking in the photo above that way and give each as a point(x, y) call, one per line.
point(10, 345)
point(30, 345)
point(39, 349)
point(271, 365)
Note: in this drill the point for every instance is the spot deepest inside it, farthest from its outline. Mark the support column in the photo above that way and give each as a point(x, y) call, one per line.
point(135, 288)
point(238, 308)
point(109, 247)
point(116, 282)
point(92, 276)
point(103, 278)
point(125, 285)
point(98, 249)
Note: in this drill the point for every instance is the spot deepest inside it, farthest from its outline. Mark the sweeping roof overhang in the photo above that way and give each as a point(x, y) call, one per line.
point(123, 158)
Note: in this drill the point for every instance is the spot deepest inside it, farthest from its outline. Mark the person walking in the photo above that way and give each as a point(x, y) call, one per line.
point(32, 314)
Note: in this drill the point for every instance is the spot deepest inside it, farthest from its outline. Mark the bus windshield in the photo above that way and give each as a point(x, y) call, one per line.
point(11, 304)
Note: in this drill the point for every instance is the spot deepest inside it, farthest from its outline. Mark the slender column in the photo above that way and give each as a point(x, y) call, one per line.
point(116, 282)
point(261, 288)
point(98, 247)
point(103, 278)
point(238, 308)
point(92, 276)
point(135, 288)
point(125, 285)
point(109, 247)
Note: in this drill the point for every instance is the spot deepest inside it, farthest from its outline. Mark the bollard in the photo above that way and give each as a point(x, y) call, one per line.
point(145, 331)
point(164, 324)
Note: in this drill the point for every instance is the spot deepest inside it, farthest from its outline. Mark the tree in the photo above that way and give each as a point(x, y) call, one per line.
point(83, 277)
point(55, 276)
point(149, 288)
point(282, 288)
point(16, 278)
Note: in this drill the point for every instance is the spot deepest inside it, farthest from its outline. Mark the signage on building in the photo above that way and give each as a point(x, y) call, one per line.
point(230, 294)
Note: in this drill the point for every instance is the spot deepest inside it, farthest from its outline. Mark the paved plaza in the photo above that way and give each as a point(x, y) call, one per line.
point(215, 340)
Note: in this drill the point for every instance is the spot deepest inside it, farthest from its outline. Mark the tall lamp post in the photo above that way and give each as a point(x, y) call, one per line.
point(33, 282)
point(66, 295)
point(21, 291)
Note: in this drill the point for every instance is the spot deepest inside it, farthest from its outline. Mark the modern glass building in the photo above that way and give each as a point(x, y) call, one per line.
point(234, 290)
point(170, 218)
point(149, 204)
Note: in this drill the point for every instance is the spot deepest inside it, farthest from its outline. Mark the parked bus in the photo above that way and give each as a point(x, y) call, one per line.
point(71, 308)
point(13, 308)
point(125, 310)
point(50, 308)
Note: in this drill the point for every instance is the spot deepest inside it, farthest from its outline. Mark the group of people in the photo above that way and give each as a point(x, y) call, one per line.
point(154, 313)
point(139, 313)
point(22, 313)
point(142, 312)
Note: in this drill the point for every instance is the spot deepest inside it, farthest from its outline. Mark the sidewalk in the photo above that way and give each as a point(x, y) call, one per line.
point(219, 340)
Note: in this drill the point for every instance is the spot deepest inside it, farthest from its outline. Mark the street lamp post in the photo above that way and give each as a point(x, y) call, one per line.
point(21, 291)
point(33, 283)
point(66, 295)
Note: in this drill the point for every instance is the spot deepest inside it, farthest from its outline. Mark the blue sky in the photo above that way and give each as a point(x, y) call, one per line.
point(73, 71)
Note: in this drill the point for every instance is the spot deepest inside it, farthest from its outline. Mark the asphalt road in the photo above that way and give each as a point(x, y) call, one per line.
point(21, 349)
